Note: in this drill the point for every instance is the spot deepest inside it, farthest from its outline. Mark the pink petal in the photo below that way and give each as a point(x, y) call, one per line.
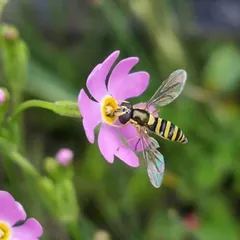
point(91, 114)
point(119, 73)
point(10, 211)
point(96, 81)
point(132, 136)
point(2, 96)
point(30, 230)
point(108, 141)
point(110, 144)
point(128, 156)
point(21, 210)
point(123, 85)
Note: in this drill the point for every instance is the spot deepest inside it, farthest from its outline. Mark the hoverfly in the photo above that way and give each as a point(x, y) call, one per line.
point(146, 122)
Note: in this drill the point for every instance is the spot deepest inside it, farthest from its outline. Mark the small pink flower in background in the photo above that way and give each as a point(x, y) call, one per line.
point(11, 212)
point(191, 221)
point(64, 156)
point(121, 86)
point(2, 96)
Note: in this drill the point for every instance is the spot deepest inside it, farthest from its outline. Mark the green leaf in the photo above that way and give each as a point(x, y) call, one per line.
point(218, 222)
point(2, 5)
point(223, 69)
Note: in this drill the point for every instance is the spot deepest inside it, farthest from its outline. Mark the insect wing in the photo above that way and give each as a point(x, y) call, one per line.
point(153, 160)
point(169, 90)
point(155, 172)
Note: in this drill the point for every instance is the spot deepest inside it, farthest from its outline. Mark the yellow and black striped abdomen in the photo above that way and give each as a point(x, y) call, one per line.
point(167, 130)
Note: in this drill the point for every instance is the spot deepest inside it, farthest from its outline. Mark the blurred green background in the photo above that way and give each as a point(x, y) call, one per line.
point(59, 43)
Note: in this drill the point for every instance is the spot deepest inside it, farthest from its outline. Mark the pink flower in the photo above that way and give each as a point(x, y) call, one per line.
point(121, 86)
point(64, 156)
point(191, 221)
point(2, 96)
point(11, 212)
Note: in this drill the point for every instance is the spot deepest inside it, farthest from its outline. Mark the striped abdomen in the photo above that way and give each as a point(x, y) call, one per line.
point(168, 130)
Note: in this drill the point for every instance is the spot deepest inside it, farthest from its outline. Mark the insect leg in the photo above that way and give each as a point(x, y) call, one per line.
point(117, 126)
point(139, 135)
point(131, 139)
point(135, 148)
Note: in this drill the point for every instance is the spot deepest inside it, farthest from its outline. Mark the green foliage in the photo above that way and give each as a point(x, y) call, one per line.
point(91, 194)
point(223, 68)
point(4, 105)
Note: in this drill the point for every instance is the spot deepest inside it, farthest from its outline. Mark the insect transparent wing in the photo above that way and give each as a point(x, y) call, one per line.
point(155, 175)
point(169, 90)
point(153, 160)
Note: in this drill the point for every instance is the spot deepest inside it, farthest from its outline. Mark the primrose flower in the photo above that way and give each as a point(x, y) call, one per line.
point(121, 86)
point(2, 96)
point(64, 156)
point(12, 212)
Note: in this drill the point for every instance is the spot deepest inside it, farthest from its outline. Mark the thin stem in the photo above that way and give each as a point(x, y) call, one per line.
point(24, 164)
point(30, 104)
point(8, 150)
point(74, 230)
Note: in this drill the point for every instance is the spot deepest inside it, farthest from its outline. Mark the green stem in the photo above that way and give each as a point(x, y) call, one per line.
point(23, 163)
point(30, 104)
point(63, 108)
point(74, 230)
point(8, 150)
point(2, 5)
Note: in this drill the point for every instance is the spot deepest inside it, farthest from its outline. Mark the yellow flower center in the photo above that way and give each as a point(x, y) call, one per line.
point(108, 106)
point(5, 231)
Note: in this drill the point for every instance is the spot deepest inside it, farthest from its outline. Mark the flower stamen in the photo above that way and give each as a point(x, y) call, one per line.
point(109, 110)
point(1, 233)
point(108, 106)
point(5, 231)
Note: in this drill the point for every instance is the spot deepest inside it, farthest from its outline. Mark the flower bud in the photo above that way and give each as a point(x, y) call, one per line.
point(10, 33)
point(64, 156)
point(2, 96)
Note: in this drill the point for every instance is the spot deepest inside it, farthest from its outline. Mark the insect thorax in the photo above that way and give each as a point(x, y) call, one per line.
point(140, 116)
